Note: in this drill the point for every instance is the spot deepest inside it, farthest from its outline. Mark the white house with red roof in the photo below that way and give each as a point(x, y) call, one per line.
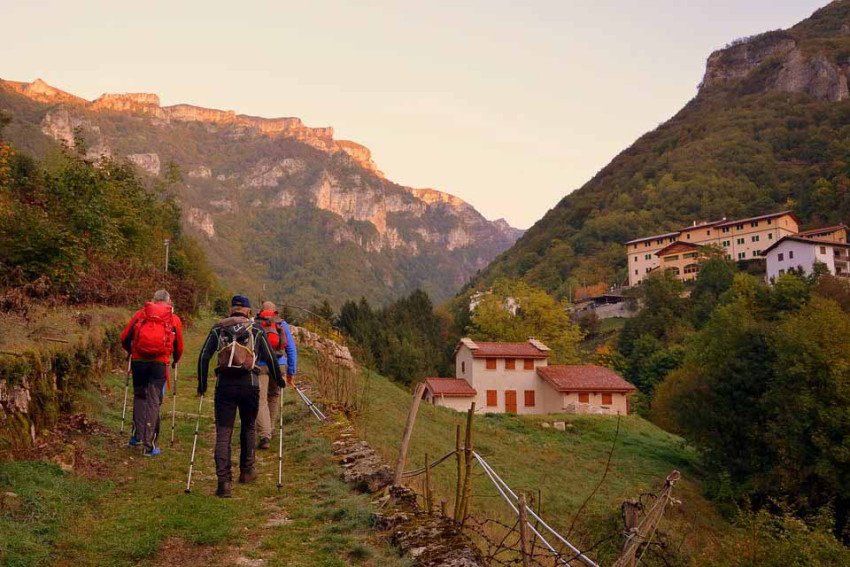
point(517, 378)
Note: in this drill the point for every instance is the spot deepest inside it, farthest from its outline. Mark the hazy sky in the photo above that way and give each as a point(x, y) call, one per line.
point(509, 105)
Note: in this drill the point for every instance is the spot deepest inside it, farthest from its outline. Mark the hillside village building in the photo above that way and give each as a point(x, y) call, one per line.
point(517, 378)
point(742, 239)
point(801, 253)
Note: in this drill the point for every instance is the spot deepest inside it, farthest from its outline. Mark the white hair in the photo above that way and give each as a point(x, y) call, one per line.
point(162, 296)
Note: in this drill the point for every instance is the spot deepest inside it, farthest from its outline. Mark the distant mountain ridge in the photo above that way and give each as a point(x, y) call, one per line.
point(366, 235)
point(766, 131)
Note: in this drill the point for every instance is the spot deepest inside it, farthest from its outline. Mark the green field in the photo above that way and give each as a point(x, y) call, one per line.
point(564, 466)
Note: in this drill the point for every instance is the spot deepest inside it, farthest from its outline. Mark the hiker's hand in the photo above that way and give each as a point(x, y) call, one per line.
point(290, 379)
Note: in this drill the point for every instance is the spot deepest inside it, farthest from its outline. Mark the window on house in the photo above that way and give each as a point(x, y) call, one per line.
point(823, 249)
point(692, 268)
point(607, 399)
point(492, 399)
point(781, 257)
point(727, 243)
point(708, 233)
point(769, 221)
point(510, 364)
point(463, 367)
point(584, 398)
point(529, 398)
point(689, 255)
point(770, 236)
point(726, 229)
point(635, 258)
point(740, 241)
point(647, 256)
point(755, 238)
point(739, 227)
point(781, 272)
point(647, 244)
point(647, 270)
point(790, 254)
point(636, 272)
point(756, 253)
point(742, 255)
point(754, 224)
point(688, 236)
point(528, 364)
point(674, 270)
point(671, 258)
point(491, 364)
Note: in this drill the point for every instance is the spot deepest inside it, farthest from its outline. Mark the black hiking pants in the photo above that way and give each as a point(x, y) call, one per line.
point(148, 391)
point(240, 393)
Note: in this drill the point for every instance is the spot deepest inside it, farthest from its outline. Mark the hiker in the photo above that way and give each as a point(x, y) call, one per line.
point(238, 343)
point(282, 343)
point(153, 337)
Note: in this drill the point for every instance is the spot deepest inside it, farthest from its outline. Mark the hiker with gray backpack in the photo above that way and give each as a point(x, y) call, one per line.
point(237, 344)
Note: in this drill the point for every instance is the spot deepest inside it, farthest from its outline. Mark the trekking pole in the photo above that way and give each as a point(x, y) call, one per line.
point(173, 403)
point(126, 390)
point(194, 445)
point(280, 445)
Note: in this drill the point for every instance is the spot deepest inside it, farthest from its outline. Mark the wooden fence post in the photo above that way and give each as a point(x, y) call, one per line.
point(467, 475)
point(408, 431)
point(459, 460)
point(429, 503)
point(523, 532)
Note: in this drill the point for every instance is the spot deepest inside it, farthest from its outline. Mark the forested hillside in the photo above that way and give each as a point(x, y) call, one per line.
point(768, 130)
point(73, 232)
point(282, 210)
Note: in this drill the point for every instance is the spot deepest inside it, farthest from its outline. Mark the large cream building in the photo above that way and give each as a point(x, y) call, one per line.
point(742, 239)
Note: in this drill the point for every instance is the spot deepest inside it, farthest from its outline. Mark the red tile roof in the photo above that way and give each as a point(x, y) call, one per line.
point(758, 218)
point(507, 350)
point(676, 247)
point(450, 387)
point(804, 240)
point(823, 230)
point(584, 378)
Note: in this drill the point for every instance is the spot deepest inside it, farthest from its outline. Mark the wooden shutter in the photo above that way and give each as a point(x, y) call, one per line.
point(584, 398)
point(491, 364)
point(528, 364)
point(492, 399)
point(529, 398)
point(510, 364)
point(607, 399)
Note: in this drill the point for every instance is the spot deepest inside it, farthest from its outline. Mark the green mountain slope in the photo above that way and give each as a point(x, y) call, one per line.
point(768, 129)
point(282, 209)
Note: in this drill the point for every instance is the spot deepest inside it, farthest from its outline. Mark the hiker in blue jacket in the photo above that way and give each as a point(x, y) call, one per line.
point(280, 338)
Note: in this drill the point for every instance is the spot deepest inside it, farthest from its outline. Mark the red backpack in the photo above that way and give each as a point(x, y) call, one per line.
point(153, 334)
point(271, 325)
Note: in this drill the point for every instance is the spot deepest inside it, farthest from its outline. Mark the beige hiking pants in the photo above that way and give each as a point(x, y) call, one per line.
point(269, 400)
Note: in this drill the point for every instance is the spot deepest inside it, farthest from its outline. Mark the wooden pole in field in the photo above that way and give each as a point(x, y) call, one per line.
point(429, 503)
point(408, 431)
point(467, 475)
point(443, 509)
point(459, 460)
point(523, 531)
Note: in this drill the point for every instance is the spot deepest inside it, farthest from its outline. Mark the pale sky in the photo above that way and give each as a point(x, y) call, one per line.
point(508, 105)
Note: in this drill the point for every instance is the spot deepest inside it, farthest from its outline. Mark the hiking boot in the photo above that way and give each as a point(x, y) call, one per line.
point(247, 476)
point(265, 443)
point(133, 441)
point(152, 452)
point(223, 490)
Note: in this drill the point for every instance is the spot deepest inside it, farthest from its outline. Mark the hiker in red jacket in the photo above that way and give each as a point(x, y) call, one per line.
point(154, 338)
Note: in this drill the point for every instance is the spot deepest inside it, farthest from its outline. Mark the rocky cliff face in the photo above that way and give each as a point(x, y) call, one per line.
point(239, 169)
point(776, 61)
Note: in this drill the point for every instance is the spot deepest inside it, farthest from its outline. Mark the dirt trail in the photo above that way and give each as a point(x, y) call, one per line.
point(144, 517)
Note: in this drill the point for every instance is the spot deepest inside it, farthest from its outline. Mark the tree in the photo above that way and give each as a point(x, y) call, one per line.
point(538, 315)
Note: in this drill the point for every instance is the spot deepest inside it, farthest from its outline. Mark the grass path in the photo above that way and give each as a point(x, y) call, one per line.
point(139, 514)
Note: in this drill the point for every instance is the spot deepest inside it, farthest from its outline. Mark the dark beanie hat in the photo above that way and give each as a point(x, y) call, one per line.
point(240, 301)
